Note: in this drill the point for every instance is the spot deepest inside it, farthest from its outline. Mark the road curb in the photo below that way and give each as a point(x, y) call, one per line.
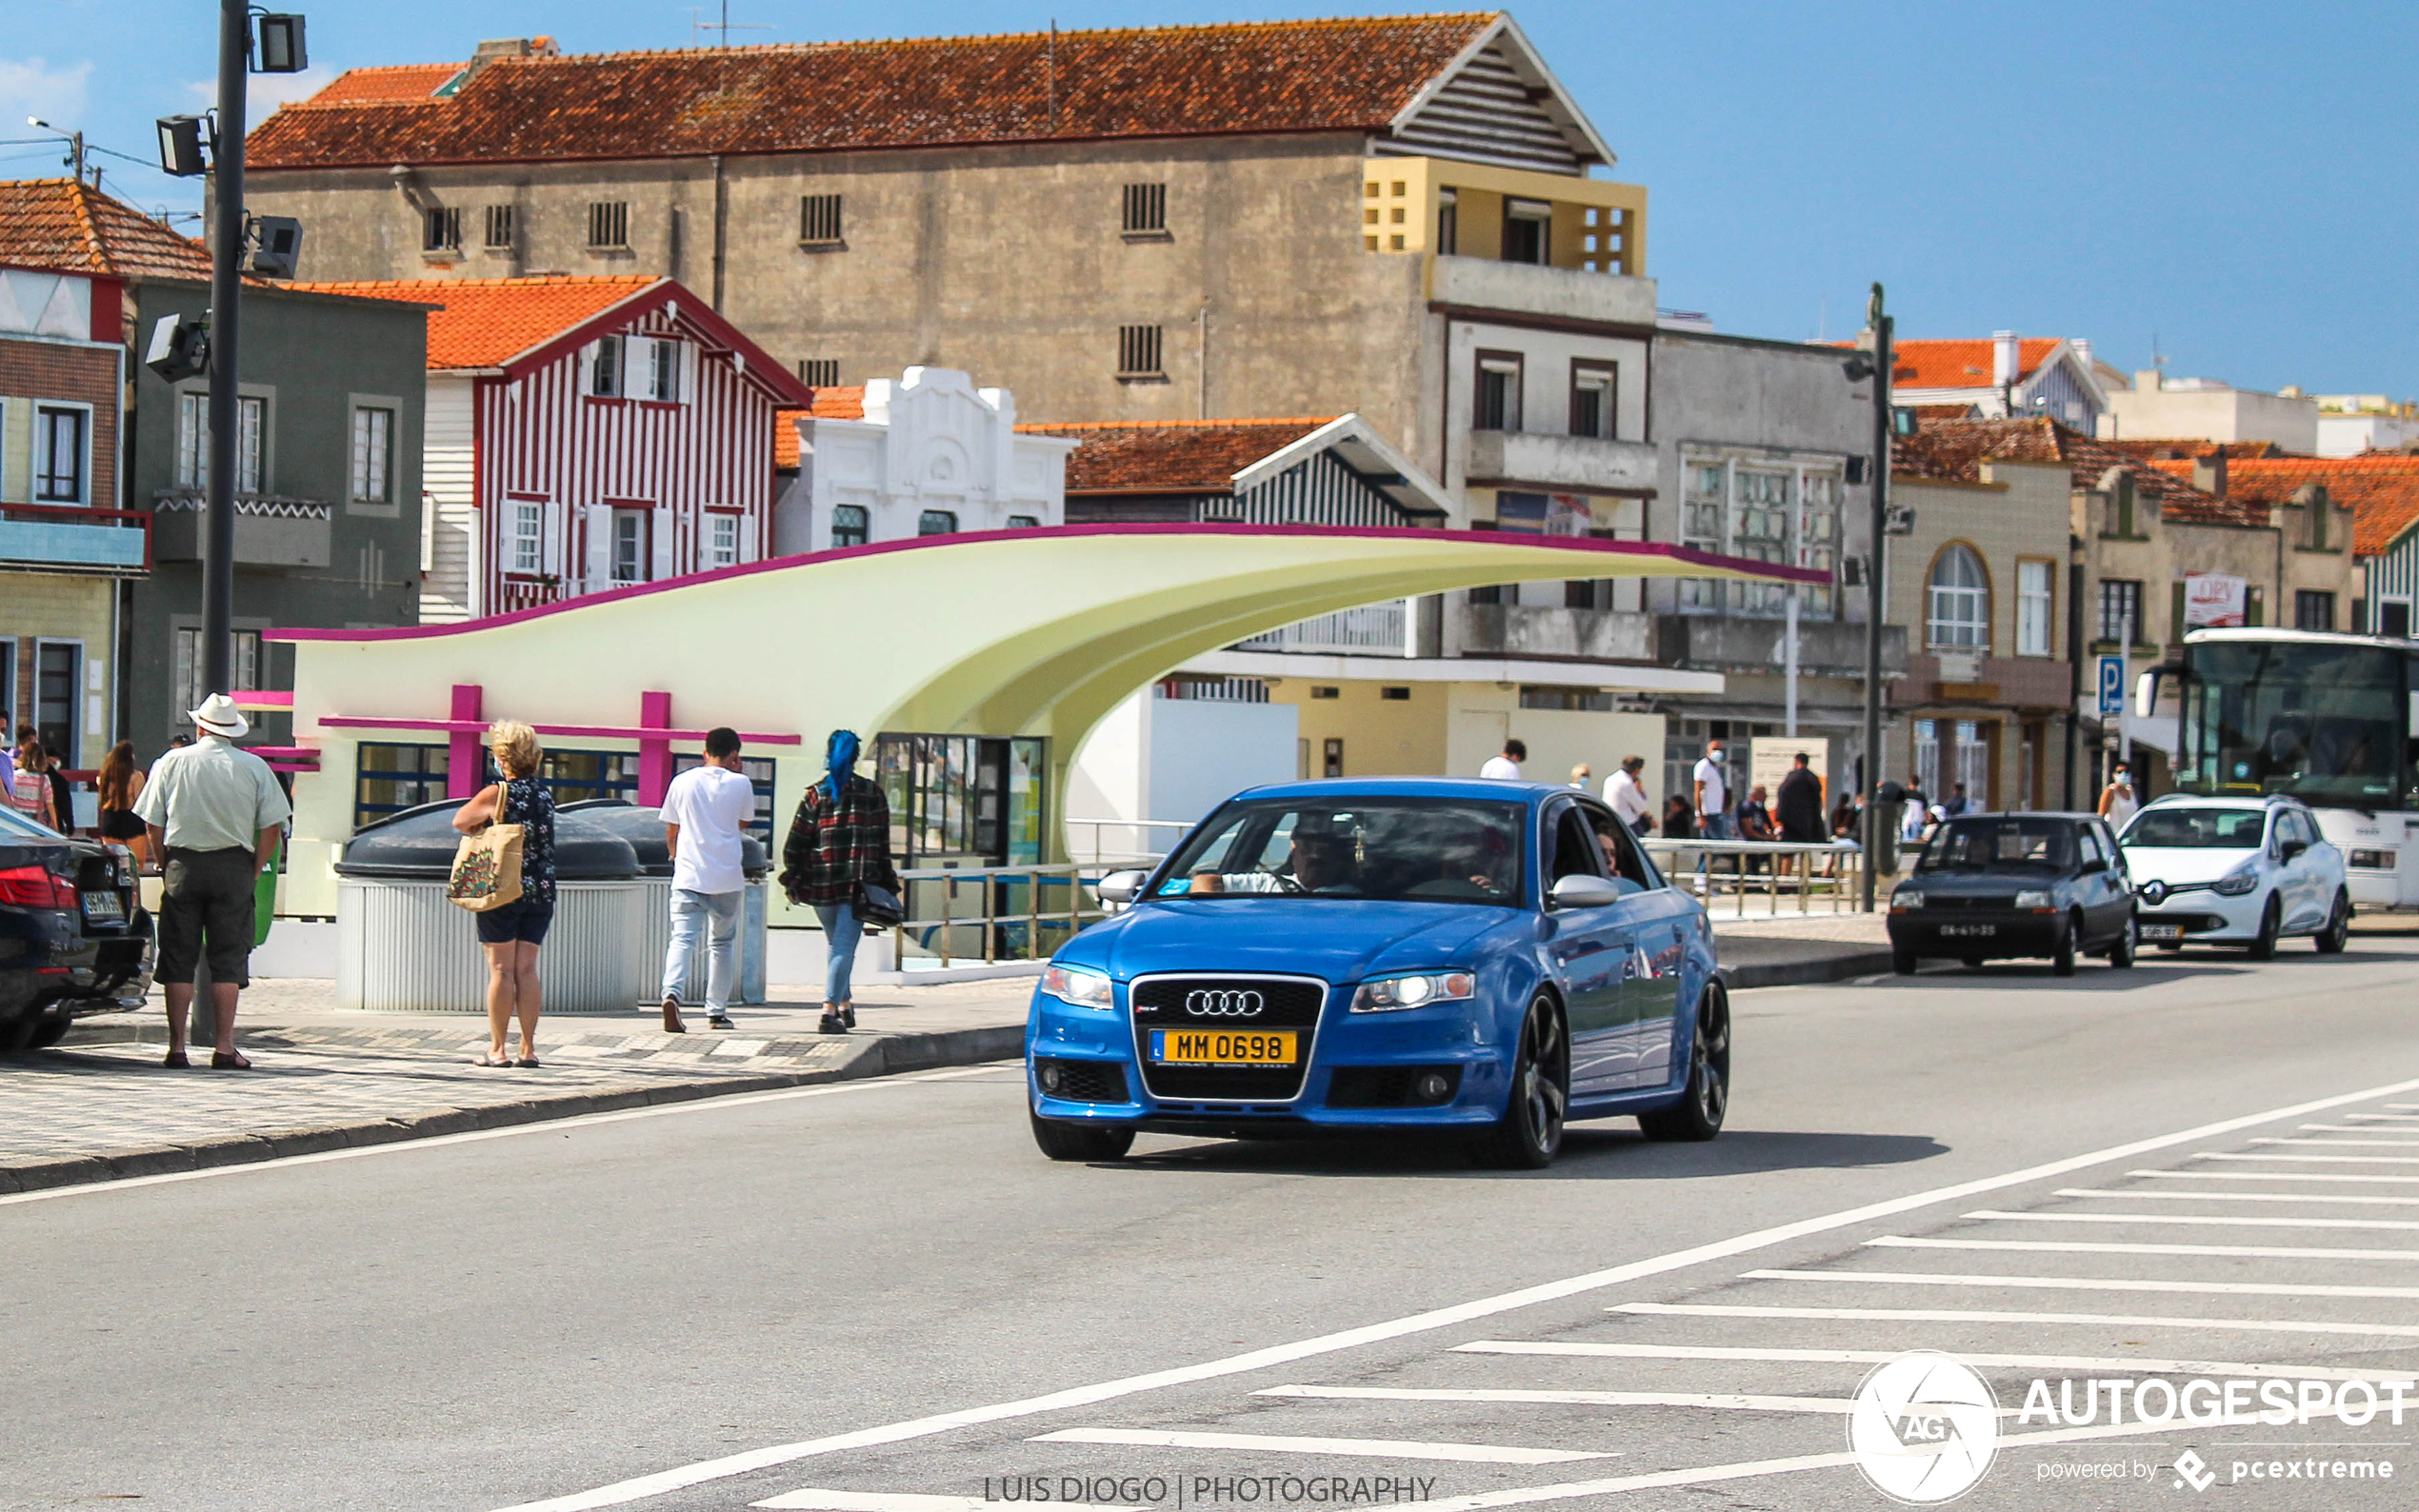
point(876, 1056)
point(1806, 973)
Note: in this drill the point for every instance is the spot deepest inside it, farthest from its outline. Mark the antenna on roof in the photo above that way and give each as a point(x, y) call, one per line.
point(726, 26)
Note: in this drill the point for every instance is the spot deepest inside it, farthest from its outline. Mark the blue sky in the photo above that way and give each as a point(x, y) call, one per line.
point(2235, 180)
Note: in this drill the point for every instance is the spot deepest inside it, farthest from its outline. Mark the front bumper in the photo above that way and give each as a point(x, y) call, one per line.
point(2207, 916)
point(1985, 932)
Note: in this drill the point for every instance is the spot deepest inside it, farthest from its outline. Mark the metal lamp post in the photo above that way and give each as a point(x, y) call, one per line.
point(1876, 366)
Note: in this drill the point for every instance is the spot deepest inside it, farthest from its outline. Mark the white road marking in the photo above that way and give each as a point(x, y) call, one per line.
point(637, 1487)
point(2055, 1247)
point(2265, 1176)
point(2313, 1160)
point(2198, 1220)
point(2387, 1118)
point(2359, 1129)
point(906, 1501)
point(1962, 1315)
point(2335, 1143)
point(2224, 1288)
point(1874, 1357)
point(1287, 1443)
point(558, 1126)
point(1728, 1400)
point(2136, 1194)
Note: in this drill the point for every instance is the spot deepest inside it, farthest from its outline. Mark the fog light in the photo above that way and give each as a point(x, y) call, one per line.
point(1051, 1077)
point(1433, 1086)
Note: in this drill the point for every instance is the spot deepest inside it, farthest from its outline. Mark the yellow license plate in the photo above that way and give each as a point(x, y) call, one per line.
point(1221, 1047)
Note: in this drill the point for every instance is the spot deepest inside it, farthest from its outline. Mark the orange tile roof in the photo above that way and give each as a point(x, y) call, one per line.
point(406, 82)
point(1347, 74)
point(1954, 451)
point(2190, 446)
point(60, 223)
point(832, 402)
point(1927, 364)
point(486, 322)
point(1169, 456)
point(2381, 487)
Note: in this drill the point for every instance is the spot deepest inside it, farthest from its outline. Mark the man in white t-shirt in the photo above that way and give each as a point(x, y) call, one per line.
point(704, 811)
point(1712, 793)
point(1625, 794)
point(1507, 766)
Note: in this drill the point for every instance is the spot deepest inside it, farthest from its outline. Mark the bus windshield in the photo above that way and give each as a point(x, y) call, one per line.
point(2323, 723)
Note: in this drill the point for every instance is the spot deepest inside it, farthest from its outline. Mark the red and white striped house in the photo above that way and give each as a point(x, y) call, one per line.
point(586, 434)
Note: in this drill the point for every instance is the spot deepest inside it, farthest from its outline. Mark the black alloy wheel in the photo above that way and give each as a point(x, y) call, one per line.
point(2061, 954)
point(1903, 963)
point(1062, 1141)
point(2128, 943)
point(1698, 1114)
point(2271, 923)
point(2332, 940)
point(1530, 1133)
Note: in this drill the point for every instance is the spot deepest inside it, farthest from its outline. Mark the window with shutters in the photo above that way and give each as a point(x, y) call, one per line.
point(722, 539)
point(529, 536)
point(1145, 211)
point(2034, 596)
point(499, 227)
point(819, 220)
point(441, 229)
point(1595, 388)
point(609, 225)
point(1138, 352)
point(661, 374)
point(604, 368)
point(819, 373)
point(633, 545)
point(192, 440)
point(1495, 391)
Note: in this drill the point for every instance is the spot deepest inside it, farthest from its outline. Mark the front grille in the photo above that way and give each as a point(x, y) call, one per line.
point(1082, 1080)
point(1935, 903)
point(1386, 1085)
point(1285, 1003)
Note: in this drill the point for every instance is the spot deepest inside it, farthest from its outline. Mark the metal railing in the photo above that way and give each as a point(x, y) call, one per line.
point(965, 914)
point(1139, 853)
point(1772, 868)
point(1377, 627)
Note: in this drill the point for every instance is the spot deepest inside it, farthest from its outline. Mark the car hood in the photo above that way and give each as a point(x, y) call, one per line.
point(2173, 864)
point(1340, 940)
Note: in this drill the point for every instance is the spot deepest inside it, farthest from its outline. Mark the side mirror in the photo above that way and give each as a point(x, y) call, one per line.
point(2292, 849)
point(1120, 887)
point(1583, 891)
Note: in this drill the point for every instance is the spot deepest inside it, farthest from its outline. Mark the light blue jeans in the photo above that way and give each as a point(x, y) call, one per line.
point(693, 911)
point(841, 935)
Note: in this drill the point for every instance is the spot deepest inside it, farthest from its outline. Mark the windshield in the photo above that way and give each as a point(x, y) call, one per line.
point(2197, 828)
point(1442, 849)
point(2001, 845)
point(14, 826)
point(2323, 723)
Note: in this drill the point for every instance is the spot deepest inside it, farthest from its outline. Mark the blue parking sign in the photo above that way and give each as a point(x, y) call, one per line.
point(2111, 685)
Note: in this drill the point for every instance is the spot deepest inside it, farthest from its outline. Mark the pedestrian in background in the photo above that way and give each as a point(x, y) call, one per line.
point(839, 839)
point(2118, 803)
point(1957, 802)
point(1712, 793)
point(30, 788)
point(511, 935)
point(8, 764)
point(1506, 767)
point(1799, 808)
point(705, 811)
point(212, 813)
point(1581, 777)
point(1627, 796)
point(120, 783)
point(62, 791)
point(1679, 820)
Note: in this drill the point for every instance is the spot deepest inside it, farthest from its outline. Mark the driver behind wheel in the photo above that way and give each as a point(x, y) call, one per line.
point(1325, 858)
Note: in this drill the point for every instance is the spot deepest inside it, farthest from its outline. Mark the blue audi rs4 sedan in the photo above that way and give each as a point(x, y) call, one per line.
point(1486, 959)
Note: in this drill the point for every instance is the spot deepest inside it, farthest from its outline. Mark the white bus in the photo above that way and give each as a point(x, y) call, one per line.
point(2330, 719)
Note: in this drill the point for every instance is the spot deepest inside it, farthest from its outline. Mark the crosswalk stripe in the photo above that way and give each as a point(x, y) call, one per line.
point(2387, 1118)
point(2313, 1160)
point(2224, 1288)
point(1963, 1315)
point(1874, 1357)
point(2355, 1128)
point(1731, 1400)
point(817, 1501)
point(1282, 1443)
point(2136, 1194)
point(2198, 1219)
point(2057, 1248)
point(2332, 1144)
point(2265, 1176)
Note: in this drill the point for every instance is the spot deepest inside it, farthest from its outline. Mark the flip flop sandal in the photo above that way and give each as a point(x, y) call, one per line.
point(490, 1060)
point(219, 1062)
point(527, 1062)
point(177, 1061)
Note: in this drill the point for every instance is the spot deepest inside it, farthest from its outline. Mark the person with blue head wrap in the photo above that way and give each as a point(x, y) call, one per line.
point(839, 842)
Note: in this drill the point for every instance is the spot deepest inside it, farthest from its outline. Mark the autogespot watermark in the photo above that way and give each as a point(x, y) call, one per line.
point(1183, 1490)
point(1925, 1428)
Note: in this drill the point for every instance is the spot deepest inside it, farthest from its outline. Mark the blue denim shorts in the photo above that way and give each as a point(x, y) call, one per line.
point(523, 918)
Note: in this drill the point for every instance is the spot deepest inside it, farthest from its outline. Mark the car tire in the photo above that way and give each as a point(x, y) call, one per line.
point(1529, 1135)
point(2062, 953)
point(1062, 1141)
point(2129, 945)
point(48, 1030)
point(2271, 923)
point(16, 1036)
point(2172, 946)
point(1903, 963)
point(1704, 1101)
point(2332, 940)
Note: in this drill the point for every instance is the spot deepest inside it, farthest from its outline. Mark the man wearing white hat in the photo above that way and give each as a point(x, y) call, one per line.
point(213, 811)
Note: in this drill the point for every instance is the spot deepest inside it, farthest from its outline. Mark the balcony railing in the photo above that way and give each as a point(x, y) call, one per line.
point(271, 530)
point(1373, 629)
point(522, 592)
point(1508, 458)
point(1542, 630)
point(54, 538)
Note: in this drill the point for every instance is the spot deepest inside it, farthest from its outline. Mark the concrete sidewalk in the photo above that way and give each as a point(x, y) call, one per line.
point(100, 1107)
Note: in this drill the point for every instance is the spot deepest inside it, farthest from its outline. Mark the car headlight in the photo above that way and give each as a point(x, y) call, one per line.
point(1086, 990)
point(1906, 898)
point(2036, 898)
point(2238, 882)
point(1390, 994)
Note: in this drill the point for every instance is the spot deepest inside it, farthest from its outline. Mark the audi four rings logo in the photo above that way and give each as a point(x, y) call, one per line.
point(1228, 1005)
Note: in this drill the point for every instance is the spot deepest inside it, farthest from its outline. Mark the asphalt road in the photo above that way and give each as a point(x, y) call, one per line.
point(872, 1297)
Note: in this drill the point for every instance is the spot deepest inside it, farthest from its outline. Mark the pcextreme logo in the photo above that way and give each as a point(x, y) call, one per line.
point(1925, 1428)
point(2192, 1470)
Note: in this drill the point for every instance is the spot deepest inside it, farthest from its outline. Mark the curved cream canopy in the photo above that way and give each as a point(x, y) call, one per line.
point(1017, 633)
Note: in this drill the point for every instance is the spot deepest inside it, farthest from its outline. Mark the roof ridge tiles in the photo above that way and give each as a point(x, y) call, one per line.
point(1179, 425)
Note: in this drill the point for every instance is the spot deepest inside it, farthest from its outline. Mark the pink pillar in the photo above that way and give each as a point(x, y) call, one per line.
point(463, 749)
point(654, 753)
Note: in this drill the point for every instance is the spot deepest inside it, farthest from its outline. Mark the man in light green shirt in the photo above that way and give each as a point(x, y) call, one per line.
point(213, 811)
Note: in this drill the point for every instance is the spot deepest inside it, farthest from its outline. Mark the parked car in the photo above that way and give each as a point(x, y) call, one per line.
point(2240, 871)
point(73, 938)
point(1485, 958)
point(1990, 886)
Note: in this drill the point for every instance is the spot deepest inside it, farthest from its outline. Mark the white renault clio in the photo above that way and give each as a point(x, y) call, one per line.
point(2235, 871)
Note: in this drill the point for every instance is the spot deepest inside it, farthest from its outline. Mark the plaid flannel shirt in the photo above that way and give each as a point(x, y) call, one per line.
point(833, 846)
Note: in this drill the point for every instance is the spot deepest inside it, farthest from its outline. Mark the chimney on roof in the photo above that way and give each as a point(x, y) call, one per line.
point(496, 49)
point(2005, 367)
point(2082, 350)
point(2209, 472)
point(2145, 380)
